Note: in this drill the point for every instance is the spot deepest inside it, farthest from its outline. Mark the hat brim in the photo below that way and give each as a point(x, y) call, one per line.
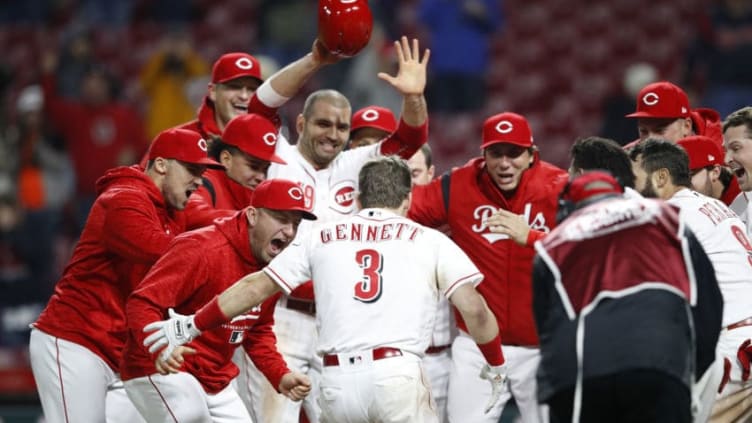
point(492, 142)
point(232, 78)
point(384, 128)
point(652, 116)
point(209, 163)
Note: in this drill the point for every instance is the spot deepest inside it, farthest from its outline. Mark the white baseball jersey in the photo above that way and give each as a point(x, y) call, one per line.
point(377, 279)
point(335, 187)
point(723, 237)
point(741, 206)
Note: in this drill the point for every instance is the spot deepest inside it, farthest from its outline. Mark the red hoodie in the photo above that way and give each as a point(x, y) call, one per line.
point(128, 229)
point(220, 197)
point(200, 265)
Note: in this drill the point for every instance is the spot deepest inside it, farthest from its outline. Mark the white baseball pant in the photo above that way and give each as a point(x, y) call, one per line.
point(180, 398)
point(296, 340)
point(390, 390)
point(76, 385)
point(437, 368)
point(469, 394)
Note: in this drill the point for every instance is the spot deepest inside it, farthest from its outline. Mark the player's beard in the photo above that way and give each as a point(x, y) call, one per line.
point(649, 190)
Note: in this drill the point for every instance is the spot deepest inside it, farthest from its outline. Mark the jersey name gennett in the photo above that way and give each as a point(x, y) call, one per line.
point(482, 213)
point(370, 233)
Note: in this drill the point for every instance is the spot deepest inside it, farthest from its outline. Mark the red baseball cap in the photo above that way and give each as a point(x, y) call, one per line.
point(509, 128)
point(661, 100)
point(254, 135)
point(235, 65)
point(184, 145)
point(374, 117)
point(590, 184)
point(702, 151)
point(283, 195)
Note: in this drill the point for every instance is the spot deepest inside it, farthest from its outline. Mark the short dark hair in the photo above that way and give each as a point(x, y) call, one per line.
point(740, 117)
point(592, 153)
point(217, 146)
point(384, 182)
point(426, 149)
point(663, 154)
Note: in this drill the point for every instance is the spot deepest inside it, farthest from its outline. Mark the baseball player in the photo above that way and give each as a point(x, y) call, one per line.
point(76, 344)
point(662, 171)
point(709, 176)
point(245, 150)
point(510, 175)
point(737, 141)
point(663, 112)
point(626, 305)
point(199, 265)
point(590, 153)
point(370, 125)
point(319, 164)
point(377, 278)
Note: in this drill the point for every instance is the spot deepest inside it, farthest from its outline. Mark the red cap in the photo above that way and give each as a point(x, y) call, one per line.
point(508, 128)
point(184, 145)
point(590, 184)
point(283, 195)
point(661, 100)
point(235, 65)
point(702, 151)
point(345, 25)
point(254, 135)
point(374, 117)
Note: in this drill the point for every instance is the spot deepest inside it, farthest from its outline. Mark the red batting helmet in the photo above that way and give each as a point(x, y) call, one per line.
point(345, 25)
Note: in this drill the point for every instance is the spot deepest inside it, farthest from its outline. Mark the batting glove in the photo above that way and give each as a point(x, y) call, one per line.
point(171, 333)
point(744, 355)
point(497, 376)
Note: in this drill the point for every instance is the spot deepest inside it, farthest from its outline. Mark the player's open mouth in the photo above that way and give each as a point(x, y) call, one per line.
point(240, 108)
point(739, 172)
point(278, 245)
point(188, 192)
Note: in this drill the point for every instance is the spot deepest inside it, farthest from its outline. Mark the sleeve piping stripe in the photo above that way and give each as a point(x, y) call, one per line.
point(287, 288)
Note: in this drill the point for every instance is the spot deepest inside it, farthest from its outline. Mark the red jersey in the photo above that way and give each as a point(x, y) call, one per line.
point(97, 137)
point(198, 266)
point(472, 198)
point(128, 229)
point(219, 197)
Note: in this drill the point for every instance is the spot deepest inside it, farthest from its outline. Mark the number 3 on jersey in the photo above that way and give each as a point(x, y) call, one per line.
point(368, 289)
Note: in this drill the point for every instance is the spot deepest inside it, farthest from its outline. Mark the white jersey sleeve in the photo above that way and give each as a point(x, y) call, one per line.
point(291, 267)
point(454, 268)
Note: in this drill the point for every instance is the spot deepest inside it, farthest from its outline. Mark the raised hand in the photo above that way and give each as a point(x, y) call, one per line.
point(411, 76)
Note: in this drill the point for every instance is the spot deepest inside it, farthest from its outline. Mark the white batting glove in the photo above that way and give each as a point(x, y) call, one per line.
point(497, 376)
point(171, 333)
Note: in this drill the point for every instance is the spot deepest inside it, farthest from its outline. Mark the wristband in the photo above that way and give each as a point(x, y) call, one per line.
point(269, 97)
point(210, 316)
point(492, 351)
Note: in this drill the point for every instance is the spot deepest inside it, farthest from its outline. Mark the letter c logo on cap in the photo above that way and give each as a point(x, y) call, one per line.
point(202, 144)
point(504, 127)
point(244, 63)
point(370, 115)
point(270, 139)
point(295, 193)
point(650, 99)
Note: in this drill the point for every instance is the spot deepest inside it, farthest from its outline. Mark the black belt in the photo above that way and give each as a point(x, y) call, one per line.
point(301, 305)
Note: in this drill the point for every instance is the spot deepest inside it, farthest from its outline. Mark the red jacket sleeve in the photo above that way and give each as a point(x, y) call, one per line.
point(174, 278)
point(134, 231)
point(261, 345)
point(406, 140)
point(534, 235)
point(200, 212)
point(258, 107)
point(427, 205)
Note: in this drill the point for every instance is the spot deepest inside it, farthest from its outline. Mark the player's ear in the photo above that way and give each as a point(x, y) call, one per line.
point(299, 123)
point(251, 214)
point(160, 165)
point(212, 92)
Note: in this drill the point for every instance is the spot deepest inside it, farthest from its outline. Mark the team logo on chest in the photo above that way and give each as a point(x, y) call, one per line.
point(343, 197)
point(482, 213)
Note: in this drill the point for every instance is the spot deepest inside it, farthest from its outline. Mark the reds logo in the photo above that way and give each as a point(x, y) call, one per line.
point(650, 99)
point(295, 193)
point(482, 213)
point(370, 115)
point(344, 197)
point(244, 63)
point(504, 127)
point(202, 144)
point(270, 139)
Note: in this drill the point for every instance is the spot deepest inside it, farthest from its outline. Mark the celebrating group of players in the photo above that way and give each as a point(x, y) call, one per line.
point(232, 275)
